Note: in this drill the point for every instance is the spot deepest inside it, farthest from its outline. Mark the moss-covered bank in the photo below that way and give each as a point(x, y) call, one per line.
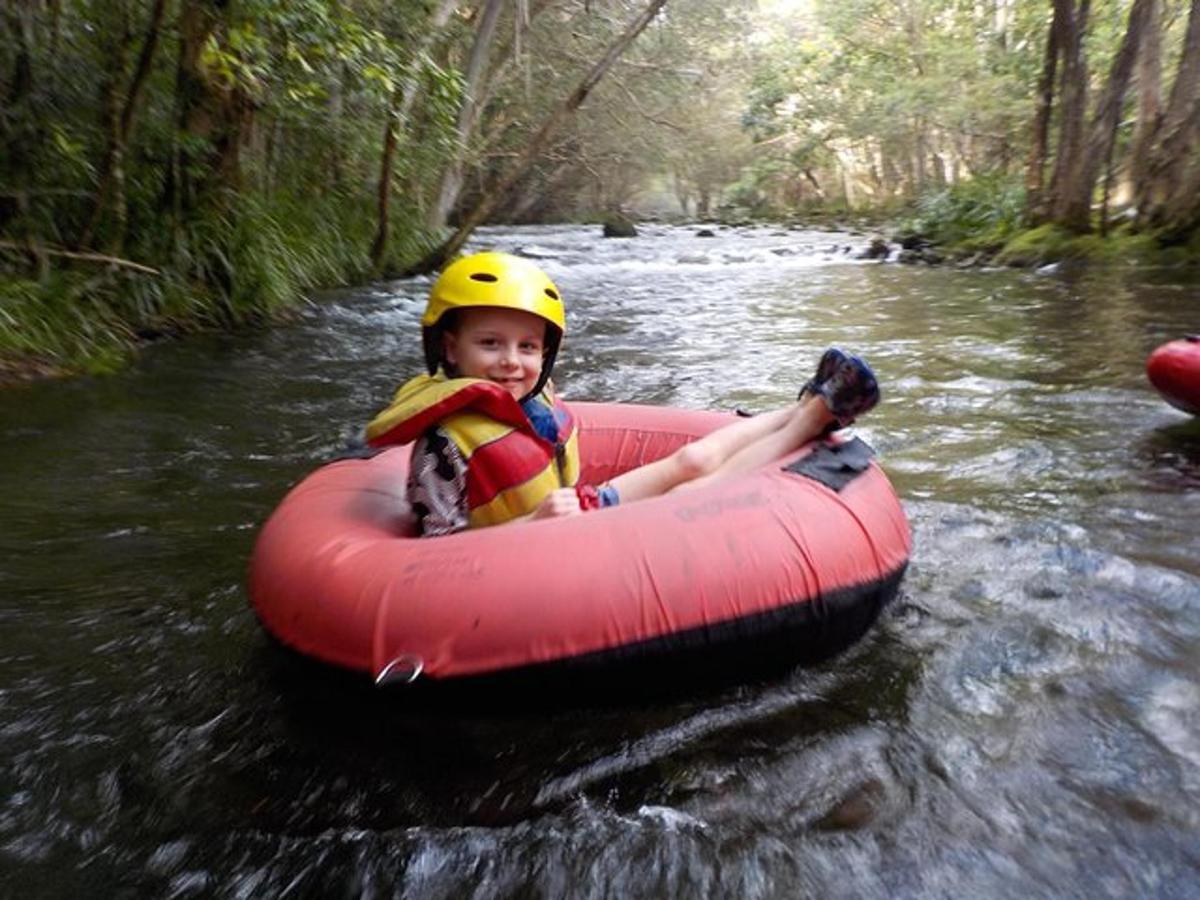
point(983, 221)
point(1048, 243)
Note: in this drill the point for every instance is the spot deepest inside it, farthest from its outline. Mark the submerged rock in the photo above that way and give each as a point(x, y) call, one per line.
point(877, 249)
point(912, 241)
point(857, 809)
point(619, 226)
point(926, 255)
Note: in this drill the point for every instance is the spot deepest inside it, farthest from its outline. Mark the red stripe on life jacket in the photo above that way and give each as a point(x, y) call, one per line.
point(481, 396)
point(505, 463)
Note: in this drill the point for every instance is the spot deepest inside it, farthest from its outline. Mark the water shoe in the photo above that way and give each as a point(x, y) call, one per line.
point(850, 390)
point(828, 364)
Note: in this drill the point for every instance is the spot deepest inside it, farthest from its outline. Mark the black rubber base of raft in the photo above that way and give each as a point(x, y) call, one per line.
point(747, 649)
point(752, 648)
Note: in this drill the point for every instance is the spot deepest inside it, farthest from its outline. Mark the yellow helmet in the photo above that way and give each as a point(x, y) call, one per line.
point(493, 280)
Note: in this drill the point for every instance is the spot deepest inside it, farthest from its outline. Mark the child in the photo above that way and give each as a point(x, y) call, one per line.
point(493, 442)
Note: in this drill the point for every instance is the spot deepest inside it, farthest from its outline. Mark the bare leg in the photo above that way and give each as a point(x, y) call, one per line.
point(737, 447)
point(807, 421)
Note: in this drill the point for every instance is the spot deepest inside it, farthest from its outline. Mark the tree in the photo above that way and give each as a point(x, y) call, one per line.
point(497, 192)
point(1167, 197)
point(1082, 152)
point(121, 107)
point(398, 112)
point(868, 100)
point(473, 88)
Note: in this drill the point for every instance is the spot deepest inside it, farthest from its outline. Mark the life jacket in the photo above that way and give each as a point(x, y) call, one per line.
point(510, 467)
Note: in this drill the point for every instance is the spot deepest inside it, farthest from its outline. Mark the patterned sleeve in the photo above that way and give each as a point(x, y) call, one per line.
point(437, 484)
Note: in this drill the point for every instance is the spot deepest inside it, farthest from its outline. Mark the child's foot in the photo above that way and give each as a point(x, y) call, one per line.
point(828, 364)
point(850, 390)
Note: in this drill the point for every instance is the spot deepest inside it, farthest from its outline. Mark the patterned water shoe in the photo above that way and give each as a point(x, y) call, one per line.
point(828, 364)
point(850, 391)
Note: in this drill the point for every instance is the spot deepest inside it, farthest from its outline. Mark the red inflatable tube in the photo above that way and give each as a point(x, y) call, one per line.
point(1174, 369)
point(337, 573)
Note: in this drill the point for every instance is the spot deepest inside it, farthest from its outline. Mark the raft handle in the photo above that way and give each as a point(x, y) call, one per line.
point(403, 669)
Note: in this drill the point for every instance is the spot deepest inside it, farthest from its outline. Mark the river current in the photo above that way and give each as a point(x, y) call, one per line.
point(1023, 721)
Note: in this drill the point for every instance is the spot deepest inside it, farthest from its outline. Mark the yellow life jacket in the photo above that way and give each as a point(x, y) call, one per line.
point(510, 467)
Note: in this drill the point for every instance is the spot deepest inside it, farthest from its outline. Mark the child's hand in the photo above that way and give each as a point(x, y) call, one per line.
point(562, 502)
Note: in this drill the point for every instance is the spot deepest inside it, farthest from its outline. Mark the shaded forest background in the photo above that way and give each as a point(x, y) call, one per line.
point(170, 164)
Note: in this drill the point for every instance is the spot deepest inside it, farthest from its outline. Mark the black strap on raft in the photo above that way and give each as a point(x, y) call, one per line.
point(834, 465)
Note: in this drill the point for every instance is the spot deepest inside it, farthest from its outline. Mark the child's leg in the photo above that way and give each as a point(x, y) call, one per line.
point(808, 419)
point(844, 387)
point(737, 447)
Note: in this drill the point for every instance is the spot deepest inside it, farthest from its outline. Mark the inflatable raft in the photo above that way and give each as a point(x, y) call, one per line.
point(1174, 369)
point(802, 554)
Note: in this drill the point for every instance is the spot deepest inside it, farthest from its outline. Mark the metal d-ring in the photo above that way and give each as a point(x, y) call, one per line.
point(403, 669)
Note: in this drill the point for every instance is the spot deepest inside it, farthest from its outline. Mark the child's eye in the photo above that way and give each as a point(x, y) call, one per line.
point(487, 342)
point(529, 347)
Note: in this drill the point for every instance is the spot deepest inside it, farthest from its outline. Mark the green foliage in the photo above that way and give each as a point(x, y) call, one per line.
point(237, 237)
point(227, 271)
point(60, 323)
point(256, 179)
point(981, 212)
point(859, 102)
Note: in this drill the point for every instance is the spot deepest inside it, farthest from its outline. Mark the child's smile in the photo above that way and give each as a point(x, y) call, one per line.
point(505, 346)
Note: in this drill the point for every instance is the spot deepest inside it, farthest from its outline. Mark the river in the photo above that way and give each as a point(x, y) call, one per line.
point(1023, 721)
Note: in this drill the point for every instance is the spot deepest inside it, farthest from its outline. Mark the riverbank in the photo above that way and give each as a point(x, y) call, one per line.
point(75, 321)
point(1049, 245)
point(63, 313)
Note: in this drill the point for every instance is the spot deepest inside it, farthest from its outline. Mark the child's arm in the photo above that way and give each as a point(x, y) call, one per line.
point(561, 502)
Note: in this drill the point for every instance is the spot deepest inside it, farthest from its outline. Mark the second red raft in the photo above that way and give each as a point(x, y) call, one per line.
point(809, 547)
point(1174, 369)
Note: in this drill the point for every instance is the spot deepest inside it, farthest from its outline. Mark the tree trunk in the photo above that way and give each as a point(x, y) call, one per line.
point(537, 194)
point(1149, 106)
point(920, 149)
point(812, 179)
point(111, 127)
point(509, 51)
point(1183, 213)
point(337, 111)
point(1174, 147)
point(20, 135)
point(1035, 165)
point(939, 169)
point(211, 118)
point(399, 107)
point(491, 198)
point(1074, 205)
point(119, 129)
point(383, 207)
point(1073, 106)
point(683, 191)
point(468, 115)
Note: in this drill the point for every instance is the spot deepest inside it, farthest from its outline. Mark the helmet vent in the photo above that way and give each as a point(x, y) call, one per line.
point(552, 294)
point(483, 276)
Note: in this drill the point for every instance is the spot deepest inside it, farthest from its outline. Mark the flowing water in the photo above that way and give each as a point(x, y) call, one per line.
point(1023, 721)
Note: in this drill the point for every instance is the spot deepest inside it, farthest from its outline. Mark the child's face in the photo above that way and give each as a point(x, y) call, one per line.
point(502, 345)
